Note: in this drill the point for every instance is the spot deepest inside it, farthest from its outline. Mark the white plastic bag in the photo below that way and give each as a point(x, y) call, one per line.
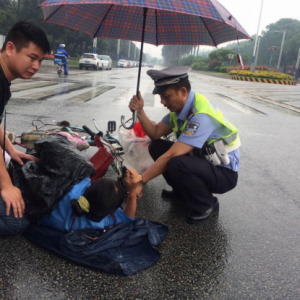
point(136, 150)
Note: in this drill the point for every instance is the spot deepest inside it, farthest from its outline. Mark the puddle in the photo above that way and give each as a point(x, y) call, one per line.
point(87, 96)
point(55, 92)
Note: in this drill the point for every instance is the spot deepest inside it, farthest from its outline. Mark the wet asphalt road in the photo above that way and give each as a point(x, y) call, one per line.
point(251, 251)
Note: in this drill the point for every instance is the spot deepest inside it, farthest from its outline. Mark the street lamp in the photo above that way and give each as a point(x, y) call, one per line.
point(273, 48)
point(256, 39)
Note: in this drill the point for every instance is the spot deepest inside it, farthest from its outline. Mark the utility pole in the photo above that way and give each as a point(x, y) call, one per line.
point(281, 49)
point(118, 50)
point(129, 49)
point(256, 56)
point(297, 66)
point(95, 45)
point(254, 50)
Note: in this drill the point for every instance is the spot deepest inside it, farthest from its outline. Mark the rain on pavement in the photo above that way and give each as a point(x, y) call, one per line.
point(251, 251)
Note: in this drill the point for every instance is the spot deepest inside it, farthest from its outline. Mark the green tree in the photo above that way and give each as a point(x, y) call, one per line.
point(221, 55)
point(272, 36)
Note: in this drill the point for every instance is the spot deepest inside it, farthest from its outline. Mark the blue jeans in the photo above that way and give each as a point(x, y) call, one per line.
point(66, 71)
point(9, 225)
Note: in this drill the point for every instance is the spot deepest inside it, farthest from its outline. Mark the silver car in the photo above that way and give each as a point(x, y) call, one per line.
point(106, 62)
point(123, 63)
point(89, 60)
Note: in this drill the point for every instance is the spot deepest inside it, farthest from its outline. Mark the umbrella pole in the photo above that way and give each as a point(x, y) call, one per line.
point(134, 113)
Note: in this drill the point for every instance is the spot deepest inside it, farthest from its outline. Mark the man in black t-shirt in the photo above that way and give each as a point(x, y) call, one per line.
point(22, 53)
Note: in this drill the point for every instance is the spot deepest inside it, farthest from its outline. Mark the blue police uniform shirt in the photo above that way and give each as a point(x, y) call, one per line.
point(61, 217)
point(62, 51)
point(204, 127)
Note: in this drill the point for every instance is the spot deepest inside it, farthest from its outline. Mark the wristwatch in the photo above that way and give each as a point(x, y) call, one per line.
point(143, 183)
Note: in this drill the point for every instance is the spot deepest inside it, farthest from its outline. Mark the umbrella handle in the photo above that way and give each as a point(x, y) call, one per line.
point(134, 113)
point(134, 119)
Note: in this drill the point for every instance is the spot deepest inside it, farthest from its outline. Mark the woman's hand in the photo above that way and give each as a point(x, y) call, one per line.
point(136, 103)
point(132, 181)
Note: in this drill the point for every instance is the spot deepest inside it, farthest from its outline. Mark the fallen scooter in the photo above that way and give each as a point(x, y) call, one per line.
point(109, 153)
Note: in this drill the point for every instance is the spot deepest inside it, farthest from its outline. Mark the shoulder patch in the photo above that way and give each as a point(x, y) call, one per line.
point(191, 128)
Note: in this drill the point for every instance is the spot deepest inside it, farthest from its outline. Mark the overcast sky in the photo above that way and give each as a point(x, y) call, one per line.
point(247, 14)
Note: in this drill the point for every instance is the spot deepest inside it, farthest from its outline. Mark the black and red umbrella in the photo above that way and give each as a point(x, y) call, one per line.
point(164, 22)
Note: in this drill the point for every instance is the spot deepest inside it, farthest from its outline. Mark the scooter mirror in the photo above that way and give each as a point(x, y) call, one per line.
point(111, 126)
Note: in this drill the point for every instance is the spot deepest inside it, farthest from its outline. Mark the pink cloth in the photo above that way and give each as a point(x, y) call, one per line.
point(75, 140)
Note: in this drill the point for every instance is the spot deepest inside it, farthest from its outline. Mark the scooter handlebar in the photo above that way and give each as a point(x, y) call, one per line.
point(89, 131)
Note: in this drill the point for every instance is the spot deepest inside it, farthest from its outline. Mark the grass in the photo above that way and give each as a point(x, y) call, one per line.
point(73, 63)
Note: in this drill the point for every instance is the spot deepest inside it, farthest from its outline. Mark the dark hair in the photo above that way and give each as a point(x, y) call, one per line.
point(24, 32)
point(104, 195)
point(184, 83)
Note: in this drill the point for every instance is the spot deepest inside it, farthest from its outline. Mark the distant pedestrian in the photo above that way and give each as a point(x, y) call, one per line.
point(24, 49)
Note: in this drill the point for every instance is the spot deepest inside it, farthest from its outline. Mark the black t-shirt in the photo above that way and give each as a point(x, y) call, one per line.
point(4, 93)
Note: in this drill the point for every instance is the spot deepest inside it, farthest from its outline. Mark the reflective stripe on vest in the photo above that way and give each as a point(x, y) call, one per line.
point(203, 106)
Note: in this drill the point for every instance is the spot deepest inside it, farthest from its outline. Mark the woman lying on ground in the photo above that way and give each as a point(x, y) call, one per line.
point(95, 205)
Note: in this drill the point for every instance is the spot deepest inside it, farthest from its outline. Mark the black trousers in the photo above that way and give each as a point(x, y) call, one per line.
point(194, 178)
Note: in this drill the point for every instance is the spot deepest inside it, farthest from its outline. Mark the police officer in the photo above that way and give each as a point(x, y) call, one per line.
point(197, 124)
point(61, 51)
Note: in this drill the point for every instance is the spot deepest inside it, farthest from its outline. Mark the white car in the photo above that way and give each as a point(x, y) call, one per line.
point(106, 62)
point(90, 60)
point(123, 63)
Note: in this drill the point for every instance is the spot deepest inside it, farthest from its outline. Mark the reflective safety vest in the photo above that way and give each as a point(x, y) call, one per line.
point(203, 106)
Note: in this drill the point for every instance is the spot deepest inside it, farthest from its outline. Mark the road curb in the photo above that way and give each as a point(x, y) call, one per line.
point(264, 80)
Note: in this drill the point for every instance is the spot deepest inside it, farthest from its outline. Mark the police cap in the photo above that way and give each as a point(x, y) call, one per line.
point(166, 77)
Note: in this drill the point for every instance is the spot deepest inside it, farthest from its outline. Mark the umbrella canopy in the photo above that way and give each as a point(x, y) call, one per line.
point(198, 22)
point(164, 22)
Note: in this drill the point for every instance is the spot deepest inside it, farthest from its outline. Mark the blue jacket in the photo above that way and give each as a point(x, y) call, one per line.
point(62, 51)
point(61, 217)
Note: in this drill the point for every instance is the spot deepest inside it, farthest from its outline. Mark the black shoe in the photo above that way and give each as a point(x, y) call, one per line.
point(169, 194)
point(66, 74)
point(196, 218)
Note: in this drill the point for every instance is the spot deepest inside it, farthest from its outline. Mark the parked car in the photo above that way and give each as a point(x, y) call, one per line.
point(123, 63)
point(89, 60)
point(150, 65)
point(106, 62)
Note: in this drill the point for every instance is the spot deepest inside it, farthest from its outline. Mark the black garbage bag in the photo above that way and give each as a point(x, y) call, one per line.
point(125, 249)
point(44, 183)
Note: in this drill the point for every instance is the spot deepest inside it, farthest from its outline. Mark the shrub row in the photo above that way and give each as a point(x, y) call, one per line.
point(261, 74)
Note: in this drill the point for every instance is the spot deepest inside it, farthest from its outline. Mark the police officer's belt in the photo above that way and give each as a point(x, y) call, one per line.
point(235, 146)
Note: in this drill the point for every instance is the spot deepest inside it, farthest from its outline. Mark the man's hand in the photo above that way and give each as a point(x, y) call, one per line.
point(13, 198)
point(18, 155)
point(136, 103)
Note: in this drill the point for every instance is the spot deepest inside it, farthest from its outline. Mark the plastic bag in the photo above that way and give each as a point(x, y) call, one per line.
point(136, 149)
point(44, 183)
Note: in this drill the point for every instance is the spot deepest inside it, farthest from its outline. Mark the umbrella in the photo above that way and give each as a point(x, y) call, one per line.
point(164, 22)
